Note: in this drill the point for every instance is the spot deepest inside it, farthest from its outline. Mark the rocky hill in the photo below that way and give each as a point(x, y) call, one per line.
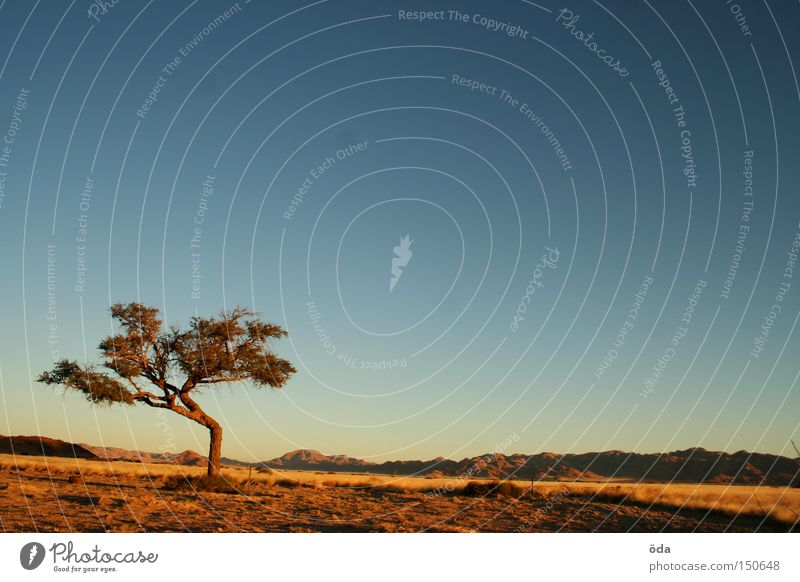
point(42, 446)
point(694, 465)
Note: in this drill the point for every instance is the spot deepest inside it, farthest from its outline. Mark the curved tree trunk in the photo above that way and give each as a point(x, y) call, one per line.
point(215, 448)
point(197, 414)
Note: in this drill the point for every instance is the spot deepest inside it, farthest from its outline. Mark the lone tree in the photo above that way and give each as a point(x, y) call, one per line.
point(146, 360)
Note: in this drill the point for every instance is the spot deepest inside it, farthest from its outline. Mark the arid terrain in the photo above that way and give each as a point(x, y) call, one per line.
point(61, 494)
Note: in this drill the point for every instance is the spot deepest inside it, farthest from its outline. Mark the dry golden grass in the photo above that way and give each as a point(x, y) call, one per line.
point(61, 466)
point(777, 503)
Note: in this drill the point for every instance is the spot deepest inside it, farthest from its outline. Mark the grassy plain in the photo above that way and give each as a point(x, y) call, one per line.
point(64, 494)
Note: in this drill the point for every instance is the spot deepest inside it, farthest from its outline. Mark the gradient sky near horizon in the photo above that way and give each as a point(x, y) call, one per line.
point(662, 191)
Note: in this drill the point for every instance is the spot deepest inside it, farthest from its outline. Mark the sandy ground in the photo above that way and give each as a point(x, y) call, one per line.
point(64, 497)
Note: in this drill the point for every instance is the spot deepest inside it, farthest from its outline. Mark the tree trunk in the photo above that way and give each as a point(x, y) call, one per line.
point(215, 449)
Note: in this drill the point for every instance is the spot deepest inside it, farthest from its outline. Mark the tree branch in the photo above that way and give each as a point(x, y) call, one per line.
point(143, 395)
point(218, 380)
point(148, 399)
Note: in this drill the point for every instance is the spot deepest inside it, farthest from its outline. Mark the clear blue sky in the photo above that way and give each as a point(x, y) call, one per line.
point(618, 136)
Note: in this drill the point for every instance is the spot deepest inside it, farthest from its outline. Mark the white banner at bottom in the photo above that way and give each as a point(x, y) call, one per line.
point(389, 557)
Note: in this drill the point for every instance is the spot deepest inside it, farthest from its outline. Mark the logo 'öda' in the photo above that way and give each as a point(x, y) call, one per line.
point(31, 555)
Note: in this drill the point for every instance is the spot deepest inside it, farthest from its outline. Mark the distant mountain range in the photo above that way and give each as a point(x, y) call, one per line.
point(695, 465)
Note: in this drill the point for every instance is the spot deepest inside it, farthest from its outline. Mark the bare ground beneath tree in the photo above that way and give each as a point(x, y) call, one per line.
point(32, 501)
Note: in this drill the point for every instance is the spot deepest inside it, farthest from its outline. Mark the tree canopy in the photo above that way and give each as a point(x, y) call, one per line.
point(163, 367)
